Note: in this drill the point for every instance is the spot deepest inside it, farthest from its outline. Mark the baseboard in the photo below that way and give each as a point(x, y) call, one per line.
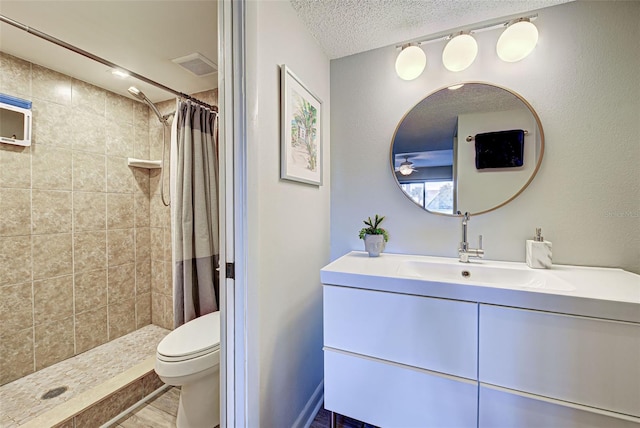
point(305, 418)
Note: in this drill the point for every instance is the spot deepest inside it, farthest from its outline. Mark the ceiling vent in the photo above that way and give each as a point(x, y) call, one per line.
point(196, 64)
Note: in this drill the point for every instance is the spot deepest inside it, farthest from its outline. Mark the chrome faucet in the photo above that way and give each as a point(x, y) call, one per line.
point(464, 252)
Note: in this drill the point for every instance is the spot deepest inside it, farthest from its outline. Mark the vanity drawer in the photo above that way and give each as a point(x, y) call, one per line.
point(502, 409)
point(390, 395)
point(434, 334)
point(587, 361)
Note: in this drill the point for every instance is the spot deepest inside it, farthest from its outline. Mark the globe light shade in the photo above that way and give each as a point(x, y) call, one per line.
point(517, 41)
point(411, 62)
point(460, 52)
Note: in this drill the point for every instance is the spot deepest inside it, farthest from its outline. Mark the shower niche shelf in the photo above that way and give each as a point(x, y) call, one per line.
point(144, 163)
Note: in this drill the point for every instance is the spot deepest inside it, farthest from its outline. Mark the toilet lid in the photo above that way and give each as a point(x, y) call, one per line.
point(196, 337)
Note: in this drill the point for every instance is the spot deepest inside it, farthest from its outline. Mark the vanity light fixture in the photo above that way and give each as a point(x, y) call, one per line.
point(517, 41)
point(460, 52)
point(411, 61)
point(406, 167)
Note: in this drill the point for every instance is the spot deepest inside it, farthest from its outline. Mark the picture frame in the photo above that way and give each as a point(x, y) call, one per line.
point(301, 131)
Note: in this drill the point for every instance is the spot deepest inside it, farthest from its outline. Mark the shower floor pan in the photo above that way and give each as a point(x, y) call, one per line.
point(100, 383)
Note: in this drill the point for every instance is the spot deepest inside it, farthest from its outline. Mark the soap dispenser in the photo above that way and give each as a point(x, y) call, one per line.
point(538, 252)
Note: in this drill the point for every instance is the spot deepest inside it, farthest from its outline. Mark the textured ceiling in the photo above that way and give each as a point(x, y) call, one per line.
point(346, 27)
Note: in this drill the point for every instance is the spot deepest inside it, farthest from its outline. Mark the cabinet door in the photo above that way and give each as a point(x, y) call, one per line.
point(433, 334)
point(588, 361)
point(390, 395)
point(500, 409)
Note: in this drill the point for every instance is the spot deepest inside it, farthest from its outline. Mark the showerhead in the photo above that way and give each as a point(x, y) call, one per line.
point(137, 93)
point(142, 97)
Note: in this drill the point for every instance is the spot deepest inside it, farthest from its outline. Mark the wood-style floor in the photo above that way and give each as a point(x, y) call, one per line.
point(161, 411)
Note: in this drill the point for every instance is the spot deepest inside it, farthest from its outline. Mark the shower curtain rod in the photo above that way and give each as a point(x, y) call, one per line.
point(101, 60)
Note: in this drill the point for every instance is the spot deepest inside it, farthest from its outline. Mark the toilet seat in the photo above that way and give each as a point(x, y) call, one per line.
point(191, 340)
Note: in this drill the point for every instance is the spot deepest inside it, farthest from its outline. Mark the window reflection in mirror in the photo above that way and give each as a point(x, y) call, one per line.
point(433, 154)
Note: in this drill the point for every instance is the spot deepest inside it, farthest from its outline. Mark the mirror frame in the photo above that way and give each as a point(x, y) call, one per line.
point(511, 198)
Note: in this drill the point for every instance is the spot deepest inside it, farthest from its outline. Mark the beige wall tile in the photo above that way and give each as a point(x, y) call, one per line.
point(122, 318)
point(120, 212)
point(143, 310)
point(15, 206)
point(16, 311)
point(52, 255)
point(88, 97)
point(167, 303)
point(119, 139)
point(119, 176)
point(167, 289)
point(121, 246)
point(166, 244)
point(157, 243)
point(15, 259)
point(52, 124)
point(53, 342)
point(110, 407)
point(141, 146)
point(88, 133)
point(157, 277)
point(16, 355)
point(141, 115)
point(122, 283)
point(157, 310)
point(53, 299)
point(15, 166)
point(89, 211)
point(50, 85)
point(15, 76)
point(90, 290)
point(150, 383)
point(51, 211)
point(143, 244)
point(91, 329)
point(141, 208)
point(89, 172)
point(141, 181)
point(155, 137)
point(51, 168)
point(143, 276)
point(119, 108)
point(90, 251)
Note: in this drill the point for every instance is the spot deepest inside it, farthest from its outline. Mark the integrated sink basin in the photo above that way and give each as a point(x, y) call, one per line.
point(482, 274)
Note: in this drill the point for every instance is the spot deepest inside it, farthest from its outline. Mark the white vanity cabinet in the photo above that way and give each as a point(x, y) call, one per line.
point(400, 360)
point(409, 342)
point(569, 359)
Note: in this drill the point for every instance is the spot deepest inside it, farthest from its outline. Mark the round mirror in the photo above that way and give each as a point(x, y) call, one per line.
point(470, 148)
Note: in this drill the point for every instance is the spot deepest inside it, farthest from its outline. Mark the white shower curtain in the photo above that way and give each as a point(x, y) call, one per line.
point(194, 211)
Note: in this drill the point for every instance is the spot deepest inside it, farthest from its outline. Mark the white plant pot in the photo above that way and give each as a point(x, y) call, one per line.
point(374, 244)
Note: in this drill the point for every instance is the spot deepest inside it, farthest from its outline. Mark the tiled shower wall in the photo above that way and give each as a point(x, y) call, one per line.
point(161, 268)
point(75, 254)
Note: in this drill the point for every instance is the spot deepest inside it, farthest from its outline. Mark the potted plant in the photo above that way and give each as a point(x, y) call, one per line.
point(374, 236)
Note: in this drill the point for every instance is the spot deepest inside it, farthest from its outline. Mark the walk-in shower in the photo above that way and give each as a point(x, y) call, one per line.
point(89, 281)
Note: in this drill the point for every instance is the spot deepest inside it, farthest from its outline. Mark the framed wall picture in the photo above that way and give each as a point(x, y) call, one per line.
point(301, 129)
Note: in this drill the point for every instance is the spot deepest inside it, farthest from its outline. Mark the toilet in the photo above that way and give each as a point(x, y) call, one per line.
point(189, 357)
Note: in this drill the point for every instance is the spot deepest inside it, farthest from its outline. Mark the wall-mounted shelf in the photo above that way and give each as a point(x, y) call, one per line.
point(144, 163)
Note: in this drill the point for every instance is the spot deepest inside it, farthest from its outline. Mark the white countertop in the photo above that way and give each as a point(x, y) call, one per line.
point(593, 291)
